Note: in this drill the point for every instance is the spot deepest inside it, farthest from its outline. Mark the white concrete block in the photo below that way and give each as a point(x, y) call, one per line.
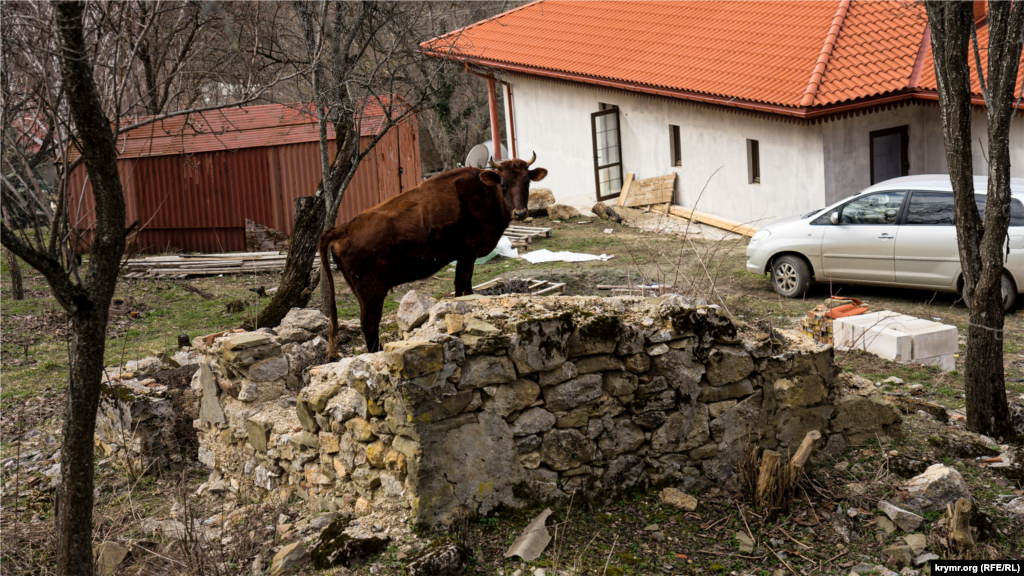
point(935, 340)
point(946, 362)
point(888, 343)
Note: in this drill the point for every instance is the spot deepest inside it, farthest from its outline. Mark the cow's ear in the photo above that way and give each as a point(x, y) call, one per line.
point(538, 174)
point(490, 177)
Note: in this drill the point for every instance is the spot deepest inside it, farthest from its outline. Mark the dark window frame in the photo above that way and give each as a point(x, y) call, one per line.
point(598, 167)
point(904, 132)
point(753, 161)
point(675, 142)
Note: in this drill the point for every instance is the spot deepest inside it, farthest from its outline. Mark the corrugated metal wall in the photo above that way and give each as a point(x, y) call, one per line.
point(199, 202)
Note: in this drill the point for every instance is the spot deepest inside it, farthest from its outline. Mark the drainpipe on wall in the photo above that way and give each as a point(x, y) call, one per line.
point(495, 134)
point(492, 102)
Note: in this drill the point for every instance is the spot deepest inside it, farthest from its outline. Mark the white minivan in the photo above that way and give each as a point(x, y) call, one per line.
point(896, 233)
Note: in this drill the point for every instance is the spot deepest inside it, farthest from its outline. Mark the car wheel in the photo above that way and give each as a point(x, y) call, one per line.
point(1009, 290)
point(791, 276)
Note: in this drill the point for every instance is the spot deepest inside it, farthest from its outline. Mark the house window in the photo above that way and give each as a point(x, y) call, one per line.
point(753, 162)
point(889, 154)
point(674, 143)
point(607, 137)
point(604, 106)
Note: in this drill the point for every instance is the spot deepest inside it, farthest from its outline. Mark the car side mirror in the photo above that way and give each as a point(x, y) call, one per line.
point(834, 218)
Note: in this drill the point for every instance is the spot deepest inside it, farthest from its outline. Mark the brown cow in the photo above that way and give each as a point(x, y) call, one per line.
point(455, 216)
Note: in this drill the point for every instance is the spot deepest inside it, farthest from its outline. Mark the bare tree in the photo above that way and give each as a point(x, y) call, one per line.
point(981, 238)
point(69, 68)
point(364, 56)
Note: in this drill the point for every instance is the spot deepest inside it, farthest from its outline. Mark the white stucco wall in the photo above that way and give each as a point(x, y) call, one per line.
point(802, 166)
point(846, 146)
point(554, 119)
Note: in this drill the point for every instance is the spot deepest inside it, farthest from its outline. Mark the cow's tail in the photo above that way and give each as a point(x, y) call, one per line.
point(325, 263)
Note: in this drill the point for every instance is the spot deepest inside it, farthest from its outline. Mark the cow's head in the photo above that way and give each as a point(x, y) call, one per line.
point(514, 177)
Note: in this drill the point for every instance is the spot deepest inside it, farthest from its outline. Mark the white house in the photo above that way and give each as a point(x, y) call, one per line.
point(771, 108)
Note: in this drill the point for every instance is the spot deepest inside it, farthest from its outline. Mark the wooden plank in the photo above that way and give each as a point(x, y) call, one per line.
point(712, 220)
point(625, 188)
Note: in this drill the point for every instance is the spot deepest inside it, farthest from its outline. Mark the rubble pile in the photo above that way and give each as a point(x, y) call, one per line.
point(135, 420)
point(513, 401)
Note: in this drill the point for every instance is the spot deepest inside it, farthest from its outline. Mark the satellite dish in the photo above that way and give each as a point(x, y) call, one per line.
point(478, 156)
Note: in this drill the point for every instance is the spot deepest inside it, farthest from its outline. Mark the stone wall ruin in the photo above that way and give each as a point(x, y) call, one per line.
point(514, 401)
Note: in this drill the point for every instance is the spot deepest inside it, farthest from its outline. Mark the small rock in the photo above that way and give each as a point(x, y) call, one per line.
point(679, 499)
point(540, 199)
point(745, 543)
point(863, 568)
point(288, 559)
point(901, 554)
point(442, 557)
point(652, 528)
point(659, 536)
point(923, 558)
point(109, 556)
point(851, 512)
point(413, 310)
point(906, 520)
point(562, 212)
point(885, 524)
point(917, 543)
point(937, 486)
point(1015, 509)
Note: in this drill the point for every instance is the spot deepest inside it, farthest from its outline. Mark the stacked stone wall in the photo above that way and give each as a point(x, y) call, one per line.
point(508, 402)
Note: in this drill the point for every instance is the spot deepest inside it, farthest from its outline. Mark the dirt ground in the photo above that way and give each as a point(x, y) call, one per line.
point(592, 538)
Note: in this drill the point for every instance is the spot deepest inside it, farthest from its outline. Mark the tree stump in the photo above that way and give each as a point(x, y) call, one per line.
point(803, 453)
point(768, 480)
point(960, 536)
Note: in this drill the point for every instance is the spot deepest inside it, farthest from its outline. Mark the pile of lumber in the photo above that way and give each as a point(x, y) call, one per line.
point(657, 190)
point(205, 264)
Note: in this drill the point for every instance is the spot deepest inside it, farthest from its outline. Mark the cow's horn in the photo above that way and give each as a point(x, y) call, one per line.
point(532, 159)
point(490, 162)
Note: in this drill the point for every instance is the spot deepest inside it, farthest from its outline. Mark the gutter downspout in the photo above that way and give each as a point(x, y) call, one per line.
point(509, 111)
point(492, 103)
point(511, 115)
point(826, 54)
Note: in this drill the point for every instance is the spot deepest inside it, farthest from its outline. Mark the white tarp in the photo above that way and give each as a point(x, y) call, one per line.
point(538, 256)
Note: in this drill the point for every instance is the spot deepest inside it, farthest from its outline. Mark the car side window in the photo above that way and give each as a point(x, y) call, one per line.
point(874, 209)
point(930, 209)
point(1016, 209)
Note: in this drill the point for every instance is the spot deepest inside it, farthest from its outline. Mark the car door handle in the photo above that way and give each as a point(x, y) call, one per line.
point(885, 236)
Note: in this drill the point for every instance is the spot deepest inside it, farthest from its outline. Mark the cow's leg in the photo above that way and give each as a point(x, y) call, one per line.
point(372, 306)
point(464, 276)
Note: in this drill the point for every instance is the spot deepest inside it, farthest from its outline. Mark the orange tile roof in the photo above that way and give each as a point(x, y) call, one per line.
point(875, 51)
point(928, 73)
point(787, 57)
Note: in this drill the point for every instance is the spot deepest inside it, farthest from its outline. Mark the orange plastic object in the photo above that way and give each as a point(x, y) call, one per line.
point(846, 310)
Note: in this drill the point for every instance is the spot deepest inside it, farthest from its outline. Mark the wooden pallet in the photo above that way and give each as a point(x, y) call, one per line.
point(536, 287)
point(523, 235)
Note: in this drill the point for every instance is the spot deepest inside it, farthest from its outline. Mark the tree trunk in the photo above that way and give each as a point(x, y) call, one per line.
point(294, 290)
point(16, 288)
point(980, 238)
point(75, 493)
